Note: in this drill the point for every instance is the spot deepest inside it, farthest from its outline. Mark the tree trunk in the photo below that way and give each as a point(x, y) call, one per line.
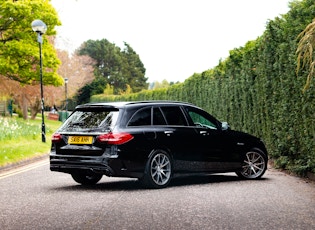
point(35, 108)
point(24, 104)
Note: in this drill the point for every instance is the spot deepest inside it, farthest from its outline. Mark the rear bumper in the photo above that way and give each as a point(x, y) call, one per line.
point(109, 165)
point(68, 164)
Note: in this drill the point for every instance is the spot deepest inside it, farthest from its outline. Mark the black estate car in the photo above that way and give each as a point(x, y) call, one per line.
point(153, 141)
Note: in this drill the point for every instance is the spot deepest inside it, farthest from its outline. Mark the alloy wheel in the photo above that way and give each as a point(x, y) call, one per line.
point(254, 165)
point(160, 169)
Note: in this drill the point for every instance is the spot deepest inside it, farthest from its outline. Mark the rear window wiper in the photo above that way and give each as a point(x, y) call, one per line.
point(77, 123)
point(98, 129)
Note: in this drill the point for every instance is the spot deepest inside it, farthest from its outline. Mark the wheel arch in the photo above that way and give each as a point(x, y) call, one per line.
point(261, 150)
point(147, 179)
point(165, 149)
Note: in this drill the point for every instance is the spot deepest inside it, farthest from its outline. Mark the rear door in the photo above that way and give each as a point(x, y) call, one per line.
point(180, 139)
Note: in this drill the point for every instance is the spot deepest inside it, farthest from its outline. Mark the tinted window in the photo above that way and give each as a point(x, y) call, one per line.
point(87, 120)
point(174, 116)
point(201, 119)
point(158, 118)
point(141, 117)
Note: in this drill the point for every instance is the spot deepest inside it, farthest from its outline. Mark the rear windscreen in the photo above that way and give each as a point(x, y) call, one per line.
point(83, 120)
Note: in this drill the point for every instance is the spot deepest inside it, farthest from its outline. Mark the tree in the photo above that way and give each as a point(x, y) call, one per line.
point(109, 90)
point(160, 85)
point(305, 52)
point(19, 55)
point(135, 71)
point(19, 52)
point(96, 87)
point(118, 68)
point(78, 69)
point(23, 95)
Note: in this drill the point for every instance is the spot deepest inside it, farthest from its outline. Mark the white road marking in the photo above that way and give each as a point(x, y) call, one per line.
point(24, 168)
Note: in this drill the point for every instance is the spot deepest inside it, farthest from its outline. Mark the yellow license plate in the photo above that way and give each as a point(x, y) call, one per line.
point(80, 140)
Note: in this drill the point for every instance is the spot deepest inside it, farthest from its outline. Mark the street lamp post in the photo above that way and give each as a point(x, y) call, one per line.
point(66, 88)
point(40, 28)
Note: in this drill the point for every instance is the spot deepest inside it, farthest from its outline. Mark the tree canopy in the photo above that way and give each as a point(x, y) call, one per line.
point(120, 69)
point(19, 52)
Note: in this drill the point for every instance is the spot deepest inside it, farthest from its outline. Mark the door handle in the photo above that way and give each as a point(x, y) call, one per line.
point(203, 133)
point(168, 133)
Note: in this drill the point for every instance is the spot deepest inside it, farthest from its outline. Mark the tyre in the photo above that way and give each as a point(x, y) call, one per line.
point(158, 170)
point(86, 178)
point(254, 165)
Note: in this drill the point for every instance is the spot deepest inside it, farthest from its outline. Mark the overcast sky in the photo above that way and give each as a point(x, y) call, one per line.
point(174, 38)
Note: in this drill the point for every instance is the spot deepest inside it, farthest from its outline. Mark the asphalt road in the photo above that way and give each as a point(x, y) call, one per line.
point(35, 198)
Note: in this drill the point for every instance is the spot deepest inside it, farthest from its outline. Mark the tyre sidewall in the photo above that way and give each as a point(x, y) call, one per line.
point(147, 179)
point(85, 178)
point(263, 155)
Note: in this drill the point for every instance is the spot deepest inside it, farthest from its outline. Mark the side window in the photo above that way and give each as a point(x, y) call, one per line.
point(174, 115)
point(158, 118)
point(141, 118)
point(201, 120)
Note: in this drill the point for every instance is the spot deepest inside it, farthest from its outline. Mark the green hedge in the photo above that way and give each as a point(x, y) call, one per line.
point(256, 90)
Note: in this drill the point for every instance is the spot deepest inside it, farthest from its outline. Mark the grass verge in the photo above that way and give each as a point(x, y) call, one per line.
point(21, 139)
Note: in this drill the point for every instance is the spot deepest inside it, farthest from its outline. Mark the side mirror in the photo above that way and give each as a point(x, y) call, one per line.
point(225, 126)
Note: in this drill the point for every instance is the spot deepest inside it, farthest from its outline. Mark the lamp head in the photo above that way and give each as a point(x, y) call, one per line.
point(39, 26)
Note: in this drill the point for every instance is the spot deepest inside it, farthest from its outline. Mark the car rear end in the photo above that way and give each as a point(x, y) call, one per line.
point(87, 141)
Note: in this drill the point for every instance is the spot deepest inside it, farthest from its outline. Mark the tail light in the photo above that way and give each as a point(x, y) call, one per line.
point(114, 138)
point(56, 137)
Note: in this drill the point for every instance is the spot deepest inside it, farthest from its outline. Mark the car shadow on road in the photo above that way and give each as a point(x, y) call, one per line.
point(203, 179)
point(130, 184)
point(208, 179)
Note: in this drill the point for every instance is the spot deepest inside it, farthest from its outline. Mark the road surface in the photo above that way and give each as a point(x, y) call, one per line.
point(36, 198)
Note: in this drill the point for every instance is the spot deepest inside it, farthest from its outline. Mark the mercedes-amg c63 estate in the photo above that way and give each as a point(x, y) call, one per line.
point(153, 141)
